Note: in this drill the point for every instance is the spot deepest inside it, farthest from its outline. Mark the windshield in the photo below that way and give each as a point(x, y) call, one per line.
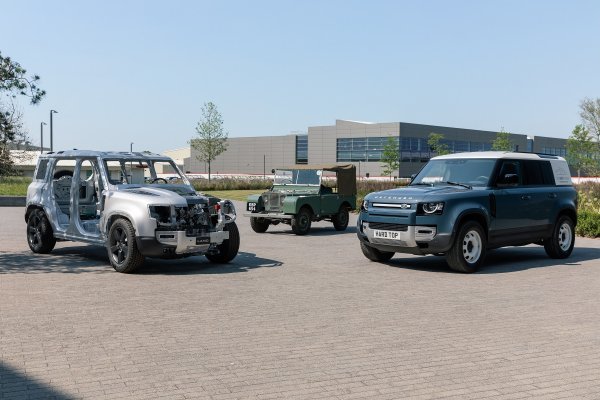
point(145, 171)
point(297, 177)
point(470, 172)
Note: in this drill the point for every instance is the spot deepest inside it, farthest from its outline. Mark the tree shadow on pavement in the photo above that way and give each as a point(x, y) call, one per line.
point(315, 231)
point(16, 385)
point(243, 262)
point(504, 260)
point(522, 258)
point(93, 259)
point(72, 260)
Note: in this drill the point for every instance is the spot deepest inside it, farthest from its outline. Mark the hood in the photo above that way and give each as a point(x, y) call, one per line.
point(156, 195)
point(413, 193)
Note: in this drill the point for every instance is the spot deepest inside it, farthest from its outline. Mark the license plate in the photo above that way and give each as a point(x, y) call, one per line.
point(251, 207)
point(392, 235)
point(203, 240)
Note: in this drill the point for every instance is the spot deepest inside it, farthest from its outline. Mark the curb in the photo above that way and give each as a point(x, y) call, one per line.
point(12, 201)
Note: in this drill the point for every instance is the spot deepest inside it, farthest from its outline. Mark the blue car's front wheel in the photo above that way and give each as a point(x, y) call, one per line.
point(468, 250)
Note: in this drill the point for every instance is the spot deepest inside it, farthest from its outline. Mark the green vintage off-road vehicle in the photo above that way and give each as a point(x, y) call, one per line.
point(303, 194)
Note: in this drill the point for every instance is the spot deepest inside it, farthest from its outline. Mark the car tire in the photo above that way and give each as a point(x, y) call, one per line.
point(302, 221)
point(229, 248)
point(469, 248)
point(375, 255)
point(40, 236)
point(340, 220)
point(123, 252)
point(259, 225)
point(560, 244)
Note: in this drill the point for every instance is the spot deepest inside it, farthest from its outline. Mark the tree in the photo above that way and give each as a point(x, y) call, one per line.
point(389, 157)
point(14, 82)
point(502, 142)
point(435, 144)
point(580, 150)
point(212, 139)
point(590, 114)
point(19, 140)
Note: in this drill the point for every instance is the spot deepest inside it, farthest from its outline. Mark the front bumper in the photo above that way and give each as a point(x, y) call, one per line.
point(268, 215)
point(169, 243)
point(413, 240)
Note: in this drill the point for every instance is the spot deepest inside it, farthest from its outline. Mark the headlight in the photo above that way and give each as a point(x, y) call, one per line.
point(365, 205)
point(160, 213)
point(435, 208)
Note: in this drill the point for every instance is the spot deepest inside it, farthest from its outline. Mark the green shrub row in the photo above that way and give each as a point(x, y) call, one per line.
point(588, 215)
point(14, 185)
point(203, 185)
point(589, 194)
point(588, 224)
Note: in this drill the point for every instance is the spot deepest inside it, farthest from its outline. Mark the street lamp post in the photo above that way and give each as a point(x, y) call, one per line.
point(51, 131)
point(42, 136)
point(131, 147)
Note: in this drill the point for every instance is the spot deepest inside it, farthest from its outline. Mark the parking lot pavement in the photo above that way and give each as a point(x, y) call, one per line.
point(297, 317)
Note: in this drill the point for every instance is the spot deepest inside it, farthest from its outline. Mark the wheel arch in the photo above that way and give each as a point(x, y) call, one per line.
point(472, 215)
point(308, 207)
point(569, 212)
point(113, 217)
point(31, 208)
point(346, 204)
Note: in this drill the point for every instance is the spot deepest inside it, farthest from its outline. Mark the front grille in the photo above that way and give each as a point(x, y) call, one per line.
point(384, 226)
point(273, 201)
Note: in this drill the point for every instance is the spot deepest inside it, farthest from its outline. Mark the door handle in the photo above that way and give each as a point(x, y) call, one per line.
point(526, 197)
point(552, 195)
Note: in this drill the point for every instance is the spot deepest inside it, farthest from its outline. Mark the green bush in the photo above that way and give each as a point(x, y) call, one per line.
point(588, 224)
point(203, 185)
point(14, 185)
point(589, 197)
point(588, 219)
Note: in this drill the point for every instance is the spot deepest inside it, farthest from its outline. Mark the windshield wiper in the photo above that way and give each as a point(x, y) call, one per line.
point(459, 184)
point(421, 183)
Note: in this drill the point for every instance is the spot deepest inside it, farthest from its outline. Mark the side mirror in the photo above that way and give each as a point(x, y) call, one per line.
point(273, 171)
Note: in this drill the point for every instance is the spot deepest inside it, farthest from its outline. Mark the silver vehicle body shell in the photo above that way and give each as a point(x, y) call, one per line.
point(130, 201)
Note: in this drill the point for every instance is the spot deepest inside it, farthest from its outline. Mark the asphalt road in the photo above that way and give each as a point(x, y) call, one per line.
point(297, 318)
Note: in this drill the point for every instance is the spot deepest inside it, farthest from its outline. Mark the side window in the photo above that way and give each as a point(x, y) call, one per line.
point(89, 190)
point(41, 170)
point(538, 173)
point(532, 173)
point(547, 173)
point(62, 176)
point(510, 174)
point(115, 171)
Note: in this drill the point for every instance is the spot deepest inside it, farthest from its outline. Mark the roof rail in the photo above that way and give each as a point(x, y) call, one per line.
point(542, 155)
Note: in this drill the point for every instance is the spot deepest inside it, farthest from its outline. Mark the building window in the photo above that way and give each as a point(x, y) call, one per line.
point(302, 149)
point(411, 149)
point(361, 149)
point(556, 151)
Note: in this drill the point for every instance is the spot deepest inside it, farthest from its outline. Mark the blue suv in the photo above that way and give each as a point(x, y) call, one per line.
point(461, 205)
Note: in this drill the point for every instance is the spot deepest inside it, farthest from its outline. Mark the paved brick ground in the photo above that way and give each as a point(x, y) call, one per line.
point(297, 318)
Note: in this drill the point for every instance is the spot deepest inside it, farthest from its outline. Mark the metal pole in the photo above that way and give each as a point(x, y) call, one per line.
point(42, 136)
point(131, 147)
point(51, 130)
point(264, 166)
